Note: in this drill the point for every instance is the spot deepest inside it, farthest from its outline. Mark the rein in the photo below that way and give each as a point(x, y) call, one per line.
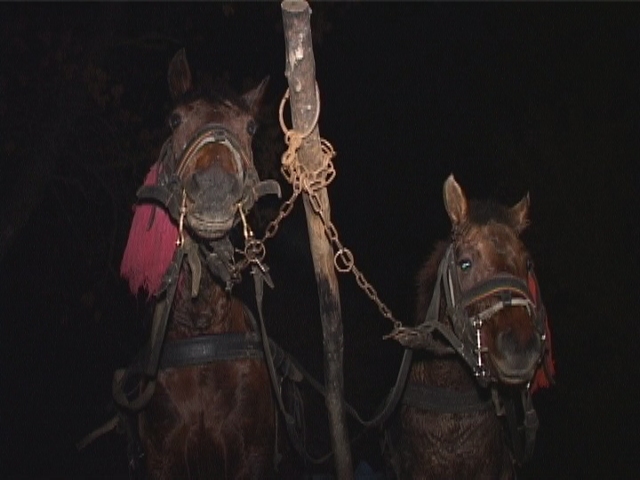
point(390, 403)
point(444, 400)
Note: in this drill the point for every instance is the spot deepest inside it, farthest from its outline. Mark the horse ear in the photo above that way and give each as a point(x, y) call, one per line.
point(254, 97)
point(455, 201)
point(179, 75)
point(520, 213)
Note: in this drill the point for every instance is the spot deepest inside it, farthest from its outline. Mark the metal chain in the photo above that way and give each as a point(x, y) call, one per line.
point(183, 214)
point(311, 182)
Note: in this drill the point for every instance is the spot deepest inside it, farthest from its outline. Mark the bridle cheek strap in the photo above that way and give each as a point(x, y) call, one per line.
point(214, 133)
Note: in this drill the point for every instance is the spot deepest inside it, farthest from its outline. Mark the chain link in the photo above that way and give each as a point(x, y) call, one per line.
point(183, 214)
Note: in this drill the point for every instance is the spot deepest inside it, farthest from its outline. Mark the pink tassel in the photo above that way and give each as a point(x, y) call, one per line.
point(151, 244)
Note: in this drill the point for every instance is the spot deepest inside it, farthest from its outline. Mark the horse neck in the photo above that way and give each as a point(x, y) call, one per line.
point(212, 311)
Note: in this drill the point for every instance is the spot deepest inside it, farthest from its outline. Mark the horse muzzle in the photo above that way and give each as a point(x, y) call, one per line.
point(213, 178)
point(512, 358)
point(212, 198)
point(212, 173)
point(502, 322)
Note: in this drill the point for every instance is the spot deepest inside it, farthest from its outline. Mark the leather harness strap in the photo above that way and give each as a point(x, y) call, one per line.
point(210, 348)
point(444, 400)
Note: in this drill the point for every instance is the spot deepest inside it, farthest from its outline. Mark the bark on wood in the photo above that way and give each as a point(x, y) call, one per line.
point(300, 72)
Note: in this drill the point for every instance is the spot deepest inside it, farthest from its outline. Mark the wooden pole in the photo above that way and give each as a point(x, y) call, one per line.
point(301, 75)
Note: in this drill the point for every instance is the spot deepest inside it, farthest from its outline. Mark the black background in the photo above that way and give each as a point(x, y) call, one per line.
point(509, 97)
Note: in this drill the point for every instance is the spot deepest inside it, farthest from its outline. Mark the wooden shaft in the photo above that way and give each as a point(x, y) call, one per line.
point(300, 72)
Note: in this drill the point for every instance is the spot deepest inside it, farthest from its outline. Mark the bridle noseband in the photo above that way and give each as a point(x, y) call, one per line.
point(213, 133)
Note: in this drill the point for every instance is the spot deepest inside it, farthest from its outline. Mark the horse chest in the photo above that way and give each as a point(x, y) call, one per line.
point(209, 419)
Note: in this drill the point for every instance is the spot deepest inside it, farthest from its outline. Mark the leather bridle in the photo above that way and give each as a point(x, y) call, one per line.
point(463, 330)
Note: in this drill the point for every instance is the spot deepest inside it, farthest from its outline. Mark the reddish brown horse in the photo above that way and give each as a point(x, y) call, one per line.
point(205, 409)
point(482, 335)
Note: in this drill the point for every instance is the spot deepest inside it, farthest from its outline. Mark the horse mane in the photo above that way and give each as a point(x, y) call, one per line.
point(426, 280)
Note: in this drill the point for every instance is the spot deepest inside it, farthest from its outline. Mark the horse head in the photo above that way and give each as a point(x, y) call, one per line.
point(208, 161)
point(492, 295)
point(204, 180)
point(481, 341)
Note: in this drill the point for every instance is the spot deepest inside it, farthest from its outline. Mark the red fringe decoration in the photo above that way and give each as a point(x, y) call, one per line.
point(547, 371)
point(151, 244)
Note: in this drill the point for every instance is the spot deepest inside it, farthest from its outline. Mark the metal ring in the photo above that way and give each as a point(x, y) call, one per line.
point(347, 260)
point(315, 119)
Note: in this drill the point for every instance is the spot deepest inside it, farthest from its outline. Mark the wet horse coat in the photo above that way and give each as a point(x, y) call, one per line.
point(447, 427)
point(215, 419)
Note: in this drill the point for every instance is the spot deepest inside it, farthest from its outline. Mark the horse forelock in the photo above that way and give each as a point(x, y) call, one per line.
point(492, 229)
point(484, 212)
point(219, 93)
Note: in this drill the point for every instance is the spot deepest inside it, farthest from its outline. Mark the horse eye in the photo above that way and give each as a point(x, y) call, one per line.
point(464, 264)
point(252, 127)
point(174, 121)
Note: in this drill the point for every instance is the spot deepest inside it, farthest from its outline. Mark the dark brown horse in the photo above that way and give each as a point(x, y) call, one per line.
point(205, 407)
point(481, 342)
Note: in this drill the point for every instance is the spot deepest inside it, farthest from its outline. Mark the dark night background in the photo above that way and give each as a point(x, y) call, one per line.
point(509, 97)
